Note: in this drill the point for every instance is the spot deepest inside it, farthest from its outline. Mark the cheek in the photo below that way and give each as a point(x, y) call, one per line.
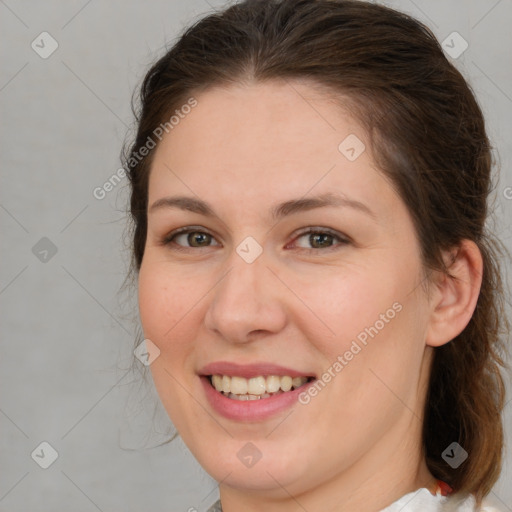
point(366, 314)
point(345, 303)
point(381, 347)
point(167, 318)
point(167, 315)
point(163, 300)
point(152, 292)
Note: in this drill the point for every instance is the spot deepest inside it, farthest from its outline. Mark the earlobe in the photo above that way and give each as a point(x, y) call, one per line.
point(454, 299)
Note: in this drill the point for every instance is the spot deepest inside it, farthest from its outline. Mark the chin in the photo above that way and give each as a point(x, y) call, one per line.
point(255, 466)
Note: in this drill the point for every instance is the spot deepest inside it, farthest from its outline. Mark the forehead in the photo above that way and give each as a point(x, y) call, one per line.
point(261, 123)
point(268, 140)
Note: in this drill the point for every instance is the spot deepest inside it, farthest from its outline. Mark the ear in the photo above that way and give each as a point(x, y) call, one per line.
point(453, 300)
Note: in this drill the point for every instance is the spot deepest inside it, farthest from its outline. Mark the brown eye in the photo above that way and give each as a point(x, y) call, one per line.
point(189, 238)
point(198, 239)
point(320, 239)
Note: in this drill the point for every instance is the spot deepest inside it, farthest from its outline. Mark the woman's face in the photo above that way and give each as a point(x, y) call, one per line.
point(249, 294)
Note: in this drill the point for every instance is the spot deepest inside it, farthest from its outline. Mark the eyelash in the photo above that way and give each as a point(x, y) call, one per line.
point(169, 239)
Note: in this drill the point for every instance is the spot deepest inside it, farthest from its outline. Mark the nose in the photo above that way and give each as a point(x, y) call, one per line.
point(247, 303)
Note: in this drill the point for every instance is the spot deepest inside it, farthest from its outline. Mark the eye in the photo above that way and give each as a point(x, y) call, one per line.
point(321, 238)
point(192, 236)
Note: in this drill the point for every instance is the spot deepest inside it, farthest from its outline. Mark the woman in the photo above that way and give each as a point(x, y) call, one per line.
point(320, 299)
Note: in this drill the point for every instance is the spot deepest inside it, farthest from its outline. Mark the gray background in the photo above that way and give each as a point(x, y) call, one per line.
point(67, 333)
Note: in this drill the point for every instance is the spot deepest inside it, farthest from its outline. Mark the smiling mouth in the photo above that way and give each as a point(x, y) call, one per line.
point(256, 388)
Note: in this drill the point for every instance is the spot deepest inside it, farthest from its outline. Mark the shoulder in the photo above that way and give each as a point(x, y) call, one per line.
point(467, 503)
point(488, 508)
point(422, 500)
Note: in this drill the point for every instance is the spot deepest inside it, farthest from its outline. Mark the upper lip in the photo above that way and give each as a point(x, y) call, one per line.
point(250, 370)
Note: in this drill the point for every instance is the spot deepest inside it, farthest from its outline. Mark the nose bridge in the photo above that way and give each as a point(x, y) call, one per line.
point(244, 279)
point(244, 300)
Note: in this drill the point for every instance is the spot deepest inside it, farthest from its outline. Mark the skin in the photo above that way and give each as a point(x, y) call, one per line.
point(357, 444)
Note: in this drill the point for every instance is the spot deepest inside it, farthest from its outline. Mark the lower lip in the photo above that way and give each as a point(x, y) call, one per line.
point(249, 410)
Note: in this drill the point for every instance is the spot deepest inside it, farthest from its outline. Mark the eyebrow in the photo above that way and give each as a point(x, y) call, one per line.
point(277, 212)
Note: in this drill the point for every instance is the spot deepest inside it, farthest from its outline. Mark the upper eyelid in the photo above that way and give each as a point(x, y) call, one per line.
point(187, 229)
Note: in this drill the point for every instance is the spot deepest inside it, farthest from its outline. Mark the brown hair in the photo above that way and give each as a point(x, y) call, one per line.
point(428, 136)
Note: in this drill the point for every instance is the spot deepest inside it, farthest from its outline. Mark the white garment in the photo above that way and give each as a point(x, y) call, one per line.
point(423, 500)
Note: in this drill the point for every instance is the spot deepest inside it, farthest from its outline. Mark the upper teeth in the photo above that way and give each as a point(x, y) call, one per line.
point(256, 385)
